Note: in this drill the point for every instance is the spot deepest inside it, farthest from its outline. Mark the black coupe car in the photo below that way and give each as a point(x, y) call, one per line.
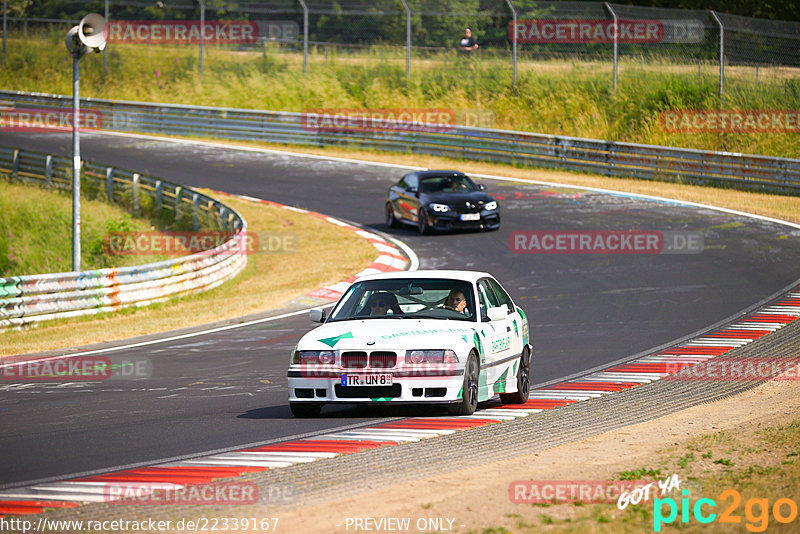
point(441, 200)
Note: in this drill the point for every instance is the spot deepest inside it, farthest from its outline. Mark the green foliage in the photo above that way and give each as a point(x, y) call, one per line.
point(639, 474)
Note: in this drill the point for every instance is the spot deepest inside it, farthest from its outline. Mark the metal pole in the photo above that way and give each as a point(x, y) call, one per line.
point(5, 28)
point(721, 53)
point(513, 41)
point(408, 37)
point(76, 163)
point(305, 36)
point(202, 28)
point(616, 43)
point(105, 50)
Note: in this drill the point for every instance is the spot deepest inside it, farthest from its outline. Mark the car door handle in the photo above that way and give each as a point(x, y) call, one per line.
point(508, 329)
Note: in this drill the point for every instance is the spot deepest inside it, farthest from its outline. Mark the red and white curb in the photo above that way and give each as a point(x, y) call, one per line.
point(206, 469)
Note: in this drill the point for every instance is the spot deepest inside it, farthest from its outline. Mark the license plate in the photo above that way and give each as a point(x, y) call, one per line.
point(470, 216)
point(349, 380)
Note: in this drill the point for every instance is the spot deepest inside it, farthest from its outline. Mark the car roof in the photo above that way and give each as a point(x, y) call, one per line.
point(467, 276)
point(426, 174)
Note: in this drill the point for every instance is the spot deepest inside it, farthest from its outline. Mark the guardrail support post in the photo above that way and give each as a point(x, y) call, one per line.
point(136, 192)
point(195, 212)
point(110, 184)
point(48, 170)
point(159, 196)
point(14, 164)
point(721, 53)
point(178, 193)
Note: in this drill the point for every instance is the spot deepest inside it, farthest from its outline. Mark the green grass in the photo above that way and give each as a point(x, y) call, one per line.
point(556, 97)
point(36, 231)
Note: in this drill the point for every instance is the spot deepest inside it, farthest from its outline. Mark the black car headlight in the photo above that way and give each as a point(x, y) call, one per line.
point(440, 208)
point(490, 205)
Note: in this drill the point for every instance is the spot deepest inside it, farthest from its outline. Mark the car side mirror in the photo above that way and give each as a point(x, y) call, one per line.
point(414, 191)
point(497, 313)
point(317, 315)
point(482, 187)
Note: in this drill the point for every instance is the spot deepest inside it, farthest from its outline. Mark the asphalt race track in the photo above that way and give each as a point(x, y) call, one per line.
point(228, 389)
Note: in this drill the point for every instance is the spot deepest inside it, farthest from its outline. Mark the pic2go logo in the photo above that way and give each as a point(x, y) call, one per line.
point(756, 511)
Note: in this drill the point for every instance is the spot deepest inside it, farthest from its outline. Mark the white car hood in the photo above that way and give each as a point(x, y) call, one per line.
point(376, 334)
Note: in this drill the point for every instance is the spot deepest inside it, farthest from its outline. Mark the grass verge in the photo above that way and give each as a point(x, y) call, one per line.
point(36, 231)
point(268, 281)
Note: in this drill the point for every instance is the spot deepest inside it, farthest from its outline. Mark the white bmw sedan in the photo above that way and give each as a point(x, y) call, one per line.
point(425, 337)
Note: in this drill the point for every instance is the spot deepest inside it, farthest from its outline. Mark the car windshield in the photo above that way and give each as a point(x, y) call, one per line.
point(411, 298)
point(448, 183)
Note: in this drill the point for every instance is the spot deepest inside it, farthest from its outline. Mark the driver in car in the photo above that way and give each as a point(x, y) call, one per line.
point(456, 301)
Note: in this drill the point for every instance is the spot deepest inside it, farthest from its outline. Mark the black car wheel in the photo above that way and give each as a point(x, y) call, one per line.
point(469, 394)
point(523, 381)
point(422, 222)
point(391, 221)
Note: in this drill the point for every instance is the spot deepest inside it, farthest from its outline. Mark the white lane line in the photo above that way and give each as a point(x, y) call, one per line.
point(260, 456)
point(235, 463)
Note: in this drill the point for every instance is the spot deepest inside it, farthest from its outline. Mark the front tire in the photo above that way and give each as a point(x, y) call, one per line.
point(305, 410)
point(523, 381)
point(422, 222)
point(469, 391)
point(391, 220)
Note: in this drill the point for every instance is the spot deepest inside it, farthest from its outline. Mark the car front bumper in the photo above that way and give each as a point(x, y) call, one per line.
point(435, 386)
point(452, 221)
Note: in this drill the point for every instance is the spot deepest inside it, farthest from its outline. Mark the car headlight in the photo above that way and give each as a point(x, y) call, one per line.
point(490, 205)
point(314, 356)
point(440, 208)
point(431, 356)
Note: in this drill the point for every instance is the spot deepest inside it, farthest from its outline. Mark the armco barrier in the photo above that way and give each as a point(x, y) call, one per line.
point(584, 155)
point(34, 298)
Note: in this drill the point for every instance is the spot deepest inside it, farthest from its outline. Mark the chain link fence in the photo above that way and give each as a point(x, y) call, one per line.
point(611, 40)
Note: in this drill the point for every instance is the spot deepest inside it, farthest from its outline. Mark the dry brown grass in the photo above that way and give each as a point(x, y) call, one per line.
point(269, 280)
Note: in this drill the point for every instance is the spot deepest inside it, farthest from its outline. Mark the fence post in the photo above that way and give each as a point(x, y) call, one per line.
point(5, 29)
point(513, 41)
point(48, 170)
point(721, 53)
point(408, 37)
point(305, 36)
point(110, 184)
point(202, 26)
point(178, 192)
point(616, 43)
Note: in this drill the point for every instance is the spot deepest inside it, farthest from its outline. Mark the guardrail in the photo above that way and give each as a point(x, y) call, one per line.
point(34, 298)
point(649, 162)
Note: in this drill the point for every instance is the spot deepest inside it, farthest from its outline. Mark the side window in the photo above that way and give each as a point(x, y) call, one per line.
point(487, 297)
point(412, 182)
point(403, 183)
point(502, 296)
